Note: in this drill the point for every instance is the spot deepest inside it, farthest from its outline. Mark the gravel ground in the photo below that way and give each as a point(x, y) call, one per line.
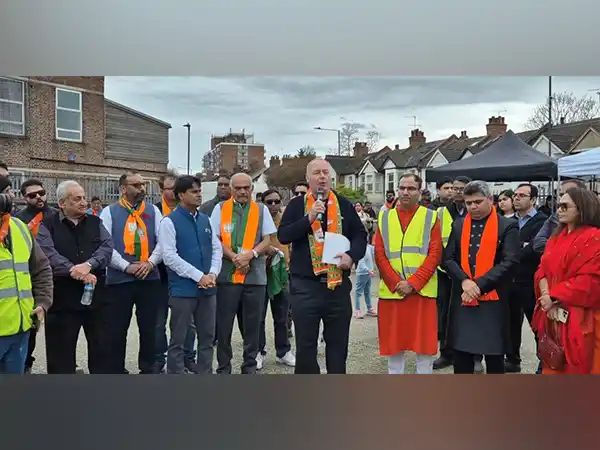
point(363, 354)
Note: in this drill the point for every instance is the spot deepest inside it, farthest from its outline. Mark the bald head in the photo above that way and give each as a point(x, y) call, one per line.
point(241, 187)
point(318, 175)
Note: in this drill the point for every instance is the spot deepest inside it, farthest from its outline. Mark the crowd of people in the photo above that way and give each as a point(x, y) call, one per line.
point(458, 275)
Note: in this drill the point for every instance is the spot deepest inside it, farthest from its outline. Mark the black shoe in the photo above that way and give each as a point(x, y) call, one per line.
point(190, 366)
point(512, 367)
point(441, 363)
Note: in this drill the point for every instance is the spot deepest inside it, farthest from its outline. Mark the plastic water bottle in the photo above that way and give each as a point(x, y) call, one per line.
point(88, 293)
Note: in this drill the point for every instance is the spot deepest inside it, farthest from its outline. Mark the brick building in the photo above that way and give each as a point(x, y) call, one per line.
point(234, 152)
point(58, 128)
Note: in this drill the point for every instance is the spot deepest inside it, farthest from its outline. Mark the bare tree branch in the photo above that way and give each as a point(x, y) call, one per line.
point(564, 105)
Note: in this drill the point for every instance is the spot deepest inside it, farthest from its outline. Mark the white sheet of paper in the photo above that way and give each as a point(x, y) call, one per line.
point(334, 244)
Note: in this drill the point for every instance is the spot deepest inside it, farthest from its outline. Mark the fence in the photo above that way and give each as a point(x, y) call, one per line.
point(104, 187)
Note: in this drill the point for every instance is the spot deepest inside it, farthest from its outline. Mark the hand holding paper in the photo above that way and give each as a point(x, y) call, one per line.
point(334, 245)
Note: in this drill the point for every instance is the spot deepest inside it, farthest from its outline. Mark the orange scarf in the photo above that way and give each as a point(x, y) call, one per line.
point(486, 254)
point(334, 225)
point(135, 235)
point(34, 224)
point(166, 210)
point(4, 228)
point(249, 233)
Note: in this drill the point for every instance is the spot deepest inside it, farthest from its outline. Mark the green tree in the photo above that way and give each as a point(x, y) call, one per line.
point(353, 195)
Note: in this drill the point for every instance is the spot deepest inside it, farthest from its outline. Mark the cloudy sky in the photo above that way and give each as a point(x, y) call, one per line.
point(282, 111)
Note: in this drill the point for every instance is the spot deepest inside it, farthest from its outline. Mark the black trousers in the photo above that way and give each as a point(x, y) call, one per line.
point(31, 347)
point(311, 303)
point(147, 297)
point(464, 363)
point(443, 309)
point(521, 304)
point(161, 327)
point(279, 311)
point(62, 331)
point(245, 301)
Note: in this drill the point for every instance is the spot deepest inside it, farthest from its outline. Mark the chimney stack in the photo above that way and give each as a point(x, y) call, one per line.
point(397, 147)
point(416, 139)
point(360, 149)
point(274, 161)
point(496, 126)
point(463, 134)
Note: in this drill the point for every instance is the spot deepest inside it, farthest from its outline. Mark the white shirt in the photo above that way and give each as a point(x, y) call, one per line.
point(268, 226)
point(168, 243)
point(117, 261)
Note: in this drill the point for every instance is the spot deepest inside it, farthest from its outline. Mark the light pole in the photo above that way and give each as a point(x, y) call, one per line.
point(189, 128)
point(338, 134)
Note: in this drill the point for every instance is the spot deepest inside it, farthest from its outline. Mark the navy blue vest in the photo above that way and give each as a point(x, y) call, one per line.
point(194, 245)
point(119, 218)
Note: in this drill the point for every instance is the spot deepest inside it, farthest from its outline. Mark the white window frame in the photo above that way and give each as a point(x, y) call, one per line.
point(369, 182)
point(80, 111)
point(22, 103)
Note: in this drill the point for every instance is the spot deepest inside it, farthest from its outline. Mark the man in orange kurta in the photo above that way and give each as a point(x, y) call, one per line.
point(410, 323)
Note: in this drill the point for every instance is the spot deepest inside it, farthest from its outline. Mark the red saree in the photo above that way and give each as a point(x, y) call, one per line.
point(571, 265)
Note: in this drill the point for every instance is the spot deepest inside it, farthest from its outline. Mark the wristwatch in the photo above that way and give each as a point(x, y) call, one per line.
point(255, 253)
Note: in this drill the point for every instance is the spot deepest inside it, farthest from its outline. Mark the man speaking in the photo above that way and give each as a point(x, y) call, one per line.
point(321, 291)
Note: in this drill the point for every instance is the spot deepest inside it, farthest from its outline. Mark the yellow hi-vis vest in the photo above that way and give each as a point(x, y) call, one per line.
point(406, 252)
point(445, 223)
point(16, 298)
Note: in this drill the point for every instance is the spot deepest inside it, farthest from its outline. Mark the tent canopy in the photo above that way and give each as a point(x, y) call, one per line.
point(586, 163)
point(506, 159)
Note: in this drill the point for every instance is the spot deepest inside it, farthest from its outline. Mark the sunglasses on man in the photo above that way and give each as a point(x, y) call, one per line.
point(273, 202)
point(301, 193)
point(36, 194)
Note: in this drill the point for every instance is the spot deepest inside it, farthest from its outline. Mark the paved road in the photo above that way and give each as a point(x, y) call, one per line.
point(363, 355)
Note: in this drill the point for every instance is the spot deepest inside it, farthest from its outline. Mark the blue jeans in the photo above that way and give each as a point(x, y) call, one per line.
point(363, 287)
point(13, 353)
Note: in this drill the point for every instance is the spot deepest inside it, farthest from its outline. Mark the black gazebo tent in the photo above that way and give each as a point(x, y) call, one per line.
point(506, 159)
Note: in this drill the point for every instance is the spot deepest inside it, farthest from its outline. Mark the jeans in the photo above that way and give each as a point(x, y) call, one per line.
point(464, 363)
point(363, 287)
point(13, 352)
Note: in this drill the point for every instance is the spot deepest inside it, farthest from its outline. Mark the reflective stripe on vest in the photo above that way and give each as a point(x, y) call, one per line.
point(406, 251)
point(16, 298)
point(445, 219)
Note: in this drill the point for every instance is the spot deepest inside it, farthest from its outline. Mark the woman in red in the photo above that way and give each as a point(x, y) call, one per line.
point(568, 278)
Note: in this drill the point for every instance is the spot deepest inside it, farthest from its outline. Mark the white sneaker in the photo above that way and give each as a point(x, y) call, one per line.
point(259, 361)
point(288, 359)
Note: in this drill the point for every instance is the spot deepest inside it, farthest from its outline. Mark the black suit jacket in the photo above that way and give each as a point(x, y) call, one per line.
point(528, 258)
point(507, 256)
point(295, 228)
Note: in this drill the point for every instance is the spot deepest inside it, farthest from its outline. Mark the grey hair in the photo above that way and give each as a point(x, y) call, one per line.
point(478, 187)
point(312, 162)
point(63, 188)
point(243, 174)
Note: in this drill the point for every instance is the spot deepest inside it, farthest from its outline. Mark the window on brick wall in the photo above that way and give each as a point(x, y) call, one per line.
point(12, 107)
point(68, 115)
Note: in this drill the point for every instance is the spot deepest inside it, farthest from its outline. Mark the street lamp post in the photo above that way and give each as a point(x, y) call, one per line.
point(189, 127)
point(338, 135)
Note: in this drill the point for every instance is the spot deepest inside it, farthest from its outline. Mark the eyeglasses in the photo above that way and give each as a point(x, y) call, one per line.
point(564, 206)
point(458, 189)
point(33, 195)
point(302, 193)
point(273, 202)
point(519, 195)
point(223, 184)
